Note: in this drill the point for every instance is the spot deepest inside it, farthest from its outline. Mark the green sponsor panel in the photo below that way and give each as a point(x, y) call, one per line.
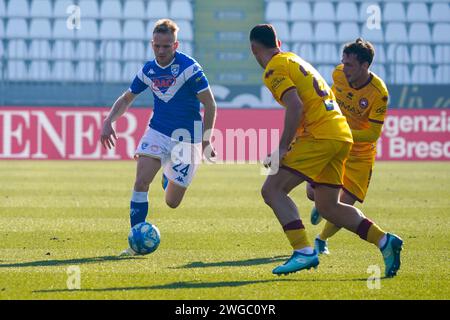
point(221, 40)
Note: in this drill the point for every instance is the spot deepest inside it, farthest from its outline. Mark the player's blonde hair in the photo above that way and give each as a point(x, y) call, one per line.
point(166, 26)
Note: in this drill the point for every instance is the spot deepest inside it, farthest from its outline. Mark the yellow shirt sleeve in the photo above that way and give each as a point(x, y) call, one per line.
point(379, 109)
point(278, 81)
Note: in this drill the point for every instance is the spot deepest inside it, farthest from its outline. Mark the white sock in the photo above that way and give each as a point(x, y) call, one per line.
point(382, 241)
point(305, 250)
point(139, 196)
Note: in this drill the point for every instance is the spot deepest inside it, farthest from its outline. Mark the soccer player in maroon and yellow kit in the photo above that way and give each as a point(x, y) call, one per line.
point(314, 145)
point(362, 97)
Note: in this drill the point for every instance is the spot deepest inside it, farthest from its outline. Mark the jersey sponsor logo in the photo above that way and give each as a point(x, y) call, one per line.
point(349, 108)
point(163, 82)
point(349, 95)
point(276, 82)
point(363, 103)
point(175, 69)
point(269, 73)
point(338, 89)
point(381, 110)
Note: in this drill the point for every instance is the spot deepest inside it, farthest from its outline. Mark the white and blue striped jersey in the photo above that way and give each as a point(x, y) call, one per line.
point(175, 88)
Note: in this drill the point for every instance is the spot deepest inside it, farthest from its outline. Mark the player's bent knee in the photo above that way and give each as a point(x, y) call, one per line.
point(267, 194)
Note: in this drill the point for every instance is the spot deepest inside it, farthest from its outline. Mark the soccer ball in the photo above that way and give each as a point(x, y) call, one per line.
point(144, 238)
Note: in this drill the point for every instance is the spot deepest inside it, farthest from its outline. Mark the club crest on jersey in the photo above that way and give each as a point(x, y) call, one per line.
point(363, 103)
point(175, 69)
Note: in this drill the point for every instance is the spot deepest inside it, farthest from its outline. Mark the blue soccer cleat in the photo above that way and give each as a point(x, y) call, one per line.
point(315, 216)
point(164, 181)
point(298, 261)
point(391, 254)
point(321, 246)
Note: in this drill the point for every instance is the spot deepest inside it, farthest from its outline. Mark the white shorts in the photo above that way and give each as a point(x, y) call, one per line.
point(179, 160)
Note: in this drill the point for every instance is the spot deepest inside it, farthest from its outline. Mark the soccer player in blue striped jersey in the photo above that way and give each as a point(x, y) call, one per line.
point(176, 136)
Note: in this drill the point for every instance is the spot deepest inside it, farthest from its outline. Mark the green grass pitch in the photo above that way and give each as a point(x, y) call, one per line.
point(221, 243)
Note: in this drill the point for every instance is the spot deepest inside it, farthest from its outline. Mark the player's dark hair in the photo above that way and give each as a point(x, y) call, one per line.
point(264, 34)
point(166, 26)
point(362, 49)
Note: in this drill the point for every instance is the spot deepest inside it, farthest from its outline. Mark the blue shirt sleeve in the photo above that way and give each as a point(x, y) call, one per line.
point(138, 85)
point(198, 82)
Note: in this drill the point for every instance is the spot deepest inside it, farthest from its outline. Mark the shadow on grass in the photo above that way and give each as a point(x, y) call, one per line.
point(51, 263)
point(174, 285)
point(239, 263)
point(199, 285)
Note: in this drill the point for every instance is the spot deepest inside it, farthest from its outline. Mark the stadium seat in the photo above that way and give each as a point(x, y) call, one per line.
point(85, 50)
point(443, 74)
point(419, 32)
point(422, 74)
point(366, 11)
point(186, 47)
point(442, 54)
point(134, 30)
point(440, 12)
point(18, 9)
point(110, 29)
point(1, 51)
point(112, 71)
point(16, 28)
point(134, 10)
point(17, 49)
point(2, 8)
point(282, 29)
point(60, 30)
point(182, 10)
point(63, 49)
point(111, 9)
point(400, 74)
point(326, 71)
point(300, 11)
point(39, 70)
point(85, 71)
point(110, 50)
point(326, 53)
point(2, 30)
point(302, 31)
point(130, 70)
point(63, 70)
point(396, 33)
point(380, 54)
point(348, 31)
point(347, 11)
point(89, 9)
point(17, 70)
point(186, 32)
point(40, 29)
point(305, 51)
point(325, 32)
point(394, 12)
point(417, 12)
point(421, 54)
point(323, 11)
point(441, 33)
point(379, 70)
point(276, 11)
point(60, 8)
point(134, 50)
point(89, 30)
point(41, 8)
point(40, 49)
point(398, 53)
point(157, 9)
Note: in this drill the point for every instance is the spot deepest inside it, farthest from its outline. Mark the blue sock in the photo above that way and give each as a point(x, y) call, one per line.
point(138, 208)
point(164, 181)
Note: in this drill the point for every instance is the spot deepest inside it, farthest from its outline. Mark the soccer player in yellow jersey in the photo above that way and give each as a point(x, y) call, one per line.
point(314, 145)
point(363, 97)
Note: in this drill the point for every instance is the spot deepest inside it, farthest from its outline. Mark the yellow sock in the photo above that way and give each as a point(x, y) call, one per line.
point(328, 231)
point(375, 234)
point(298, 238)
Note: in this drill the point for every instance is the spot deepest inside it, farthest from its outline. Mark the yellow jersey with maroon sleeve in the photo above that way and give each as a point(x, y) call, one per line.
point(361, 106)
point(322, 118)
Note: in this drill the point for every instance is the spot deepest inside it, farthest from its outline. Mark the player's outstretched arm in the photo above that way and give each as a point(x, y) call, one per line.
point(119, 108)
point(206, 97)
